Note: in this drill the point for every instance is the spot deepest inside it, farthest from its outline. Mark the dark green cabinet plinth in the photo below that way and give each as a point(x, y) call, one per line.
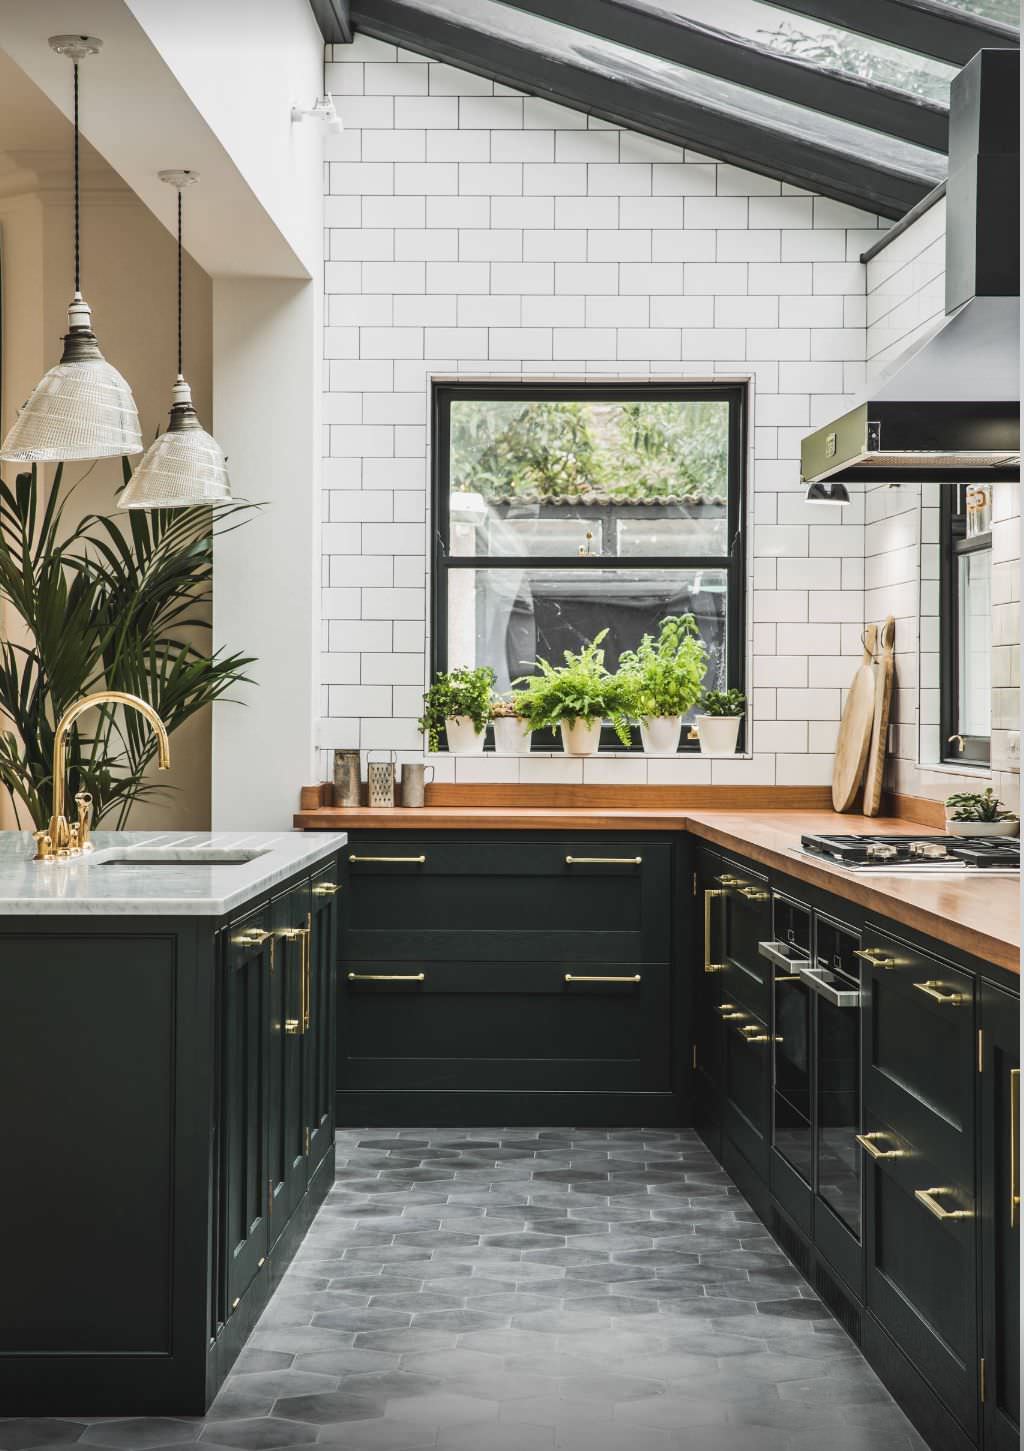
point(167, 1123)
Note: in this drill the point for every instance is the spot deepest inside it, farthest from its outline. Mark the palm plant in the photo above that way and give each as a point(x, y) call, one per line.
point(102, 606)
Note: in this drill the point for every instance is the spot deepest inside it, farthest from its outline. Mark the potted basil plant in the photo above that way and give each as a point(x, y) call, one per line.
point(512, 731)
point(459, 703)
point(576, 698)
point(662, 679)
point(979, 814)
point(718, 721)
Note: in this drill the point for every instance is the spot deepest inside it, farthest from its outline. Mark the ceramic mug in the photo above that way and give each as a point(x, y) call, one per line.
point(413, 784)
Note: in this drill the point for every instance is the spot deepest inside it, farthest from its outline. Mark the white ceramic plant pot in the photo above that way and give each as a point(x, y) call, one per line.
point(718, 734)
point(463, 737)
point(660, 734)
point(512, 735)
point(581, 737)
point(982, 828)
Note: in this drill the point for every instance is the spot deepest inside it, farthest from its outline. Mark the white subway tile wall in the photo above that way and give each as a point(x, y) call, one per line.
point(475, 232)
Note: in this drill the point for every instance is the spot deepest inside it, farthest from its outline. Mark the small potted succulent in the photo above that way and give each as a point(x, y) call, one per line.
point(512, 731)
point(718, 721)
point(459, 703)
point(577, 698)
point(663, 678)
point(982, 813)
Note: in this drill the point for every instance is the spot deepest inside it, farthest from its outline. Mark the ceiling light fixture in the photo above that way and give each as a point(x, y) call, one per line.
point(826, 493)
point(185, 466)
point(322, 109)
point(82, 408)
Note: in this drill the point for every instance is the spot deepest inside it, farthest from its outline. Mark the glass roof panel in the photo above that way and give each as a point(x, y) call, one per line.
point(1007, 12)
point(826, 46)
point(621, 63)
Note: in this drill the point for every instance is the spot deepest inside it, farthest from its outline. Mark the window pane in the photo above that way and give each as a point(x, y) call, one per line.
point(506, 618)
point(556, 477)
point(975, 642)
point(1005, 11)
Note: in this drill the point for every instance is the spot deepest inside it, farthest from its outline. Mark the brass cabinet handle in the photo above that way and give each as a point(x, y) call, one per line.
point(754, 894)
point(710, 893)
point(927, 1198)
point(876, 956)
point(386, 976)
point(325, 889)
point(417, 859)
point(251, 937)
point(939, 992)
point(727, 879)
point(726, 1009)
point(307, 972)
point(293, 1027)
point(574, 977)
point(603, 861)
point(869, 1144)
point(1014, 1147)
point(752, 1033)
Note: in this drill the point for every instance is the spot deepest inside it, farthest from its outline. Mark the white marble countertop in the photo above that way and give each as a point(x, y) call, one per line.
point(102, 883)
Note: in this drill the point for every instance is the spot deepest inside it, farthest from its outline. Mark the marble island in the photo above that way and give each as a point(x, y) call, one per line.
point(167, 874)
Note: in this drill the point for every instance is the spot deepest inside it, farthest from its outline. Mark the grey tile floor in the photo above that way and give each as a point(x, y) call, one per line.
point(527, 1290)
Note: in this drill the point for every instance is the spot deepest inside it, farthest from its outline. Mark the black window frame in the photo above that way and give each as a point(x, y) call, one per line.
point(733, 562)
point(953, 545)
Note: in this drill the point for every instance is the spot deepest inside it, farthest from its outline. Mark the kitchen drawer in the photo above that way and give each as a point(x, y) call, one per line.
point(508, 1027)
point(746, 1078)
point(508, 901)
point(920, 1051)
point(746, 912)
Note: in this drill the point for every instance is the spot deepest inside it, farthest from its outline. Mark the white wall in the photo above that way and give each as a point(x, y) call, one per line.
point(474, 231)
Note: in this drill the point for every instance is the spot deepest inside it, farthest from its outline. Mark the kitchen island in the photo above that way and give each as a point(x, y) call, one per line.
point(167, 1113)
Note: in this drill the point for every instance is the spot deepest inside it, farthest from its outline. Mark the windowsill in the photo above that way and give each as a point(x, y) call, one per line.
point(602, 755)
point(957, 768)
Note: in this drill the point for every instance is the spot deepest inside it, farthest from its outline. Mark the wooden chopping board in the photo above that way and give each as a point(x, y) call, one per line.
point(855, 729)
point(880, 727)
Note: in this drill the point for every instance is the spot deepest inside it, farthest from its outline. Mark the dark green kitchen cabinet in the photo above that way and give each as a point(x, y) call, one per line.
point(321, 1007)
point(999, 1221)
point(288, 1167)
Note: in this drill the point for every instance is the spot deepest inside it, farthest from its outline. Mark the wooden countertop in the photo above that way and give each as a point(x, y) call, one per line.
point(978, 916)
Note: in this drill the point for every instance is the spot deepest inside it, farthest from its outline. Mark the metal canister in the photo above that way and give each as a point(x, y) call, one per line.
point(346, 778)
point(380, 777)
point(413, 785)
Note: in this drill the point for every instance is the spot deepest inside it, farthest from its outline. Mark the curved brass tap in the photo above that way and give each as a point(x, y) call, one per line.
point(64, 839)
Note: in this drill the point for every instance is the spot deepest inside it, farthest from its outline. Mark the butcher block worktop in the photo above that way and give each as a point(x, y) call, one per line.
point(978, 915)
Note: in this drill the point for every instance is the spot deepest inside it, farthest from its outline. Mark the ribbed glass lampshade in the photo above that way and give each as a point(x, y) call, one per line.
point(184, 467)
point(81, 409)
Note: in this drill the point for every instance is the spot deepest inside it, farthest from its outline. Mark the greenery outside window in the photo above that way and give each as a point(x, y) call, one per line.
point(965, 608)
point(560, 510)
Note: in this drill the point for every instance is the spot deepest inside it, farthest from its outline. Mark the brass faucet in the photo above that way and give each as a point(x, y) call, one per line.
point(66, 839)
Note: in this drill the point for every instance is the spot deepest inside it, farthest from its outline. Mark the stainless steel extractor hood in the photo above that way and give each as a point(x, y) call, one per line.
point(950, 409)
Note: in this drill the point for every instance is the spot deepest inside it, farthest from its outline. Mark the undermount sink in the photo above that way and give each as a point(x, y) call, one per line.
point(179, 856)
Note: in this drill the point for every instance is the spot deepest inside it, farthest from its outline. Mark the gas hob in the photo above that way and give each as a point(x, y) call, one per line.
point(948, 855)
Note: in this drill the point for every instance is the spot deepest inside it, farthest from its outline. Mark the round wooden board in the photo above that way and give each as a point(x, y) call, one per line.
point(854, 739)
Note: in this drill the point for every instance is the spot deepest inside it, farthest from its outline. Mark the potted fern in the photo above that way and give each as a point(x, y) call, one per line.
point(512, 731)
point(576, 698)
point(970, 813)
point(459, 703)
point(662, 679)
point(718, 722)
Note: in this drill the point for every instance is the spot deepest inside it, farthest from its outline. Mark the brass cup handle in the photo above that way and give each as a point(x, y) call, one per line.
point(293, 1027)
point(325, 889)
point(876, 957)
point(386, 976)
point(727, 879)
point(710, 893)
point(1014, 1147)
point(928, 1199)
point(251, 937)
point(754, 894)
point(574, 977)
point(752, 1033)
point(940, 993)
point(869, 1143)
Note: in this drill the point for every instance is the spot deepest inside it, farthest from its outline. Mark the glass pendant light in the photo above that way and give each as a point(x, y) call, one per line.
point(82, 408)
point(184, 466)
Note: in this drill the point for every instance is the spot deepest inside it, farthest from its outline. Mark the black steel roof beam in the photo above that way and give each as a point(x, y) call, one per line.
point(334, 20)
point(701, 47)
point(926, 27)
point(670, 116)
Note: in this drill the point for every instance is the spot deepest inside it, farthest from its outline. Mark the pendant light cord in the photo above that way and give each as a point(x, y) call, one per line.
point(78, 245)
point(180, 371)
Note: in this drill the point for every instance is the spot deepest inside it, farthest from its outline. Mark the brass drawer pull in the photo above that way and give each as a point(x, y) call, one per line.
point(418, 860)
point(869, 1143)
point(927, 1198)
point(325, 889)
point(251, 937)
point(727, 879)
point(752, 1033)
point(603, 861)
point(710, 893)
point(1014, 1147)
point(727, 1011)
point(574, 977)
point(293, 1027)
point(939, 992)
point(754, 894)
point(387, 976)
point(876, 956)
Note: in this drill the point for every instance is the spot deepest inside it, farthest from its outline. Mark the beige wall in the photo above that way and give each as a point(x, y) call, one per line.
point(128, 260)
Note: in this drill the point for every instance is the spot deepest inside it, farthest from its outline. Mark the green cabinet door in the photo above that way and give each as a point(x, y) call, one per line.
point(288, 1163)
point(1000, 1217)
point(244, 1102)
point(318, 1039)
